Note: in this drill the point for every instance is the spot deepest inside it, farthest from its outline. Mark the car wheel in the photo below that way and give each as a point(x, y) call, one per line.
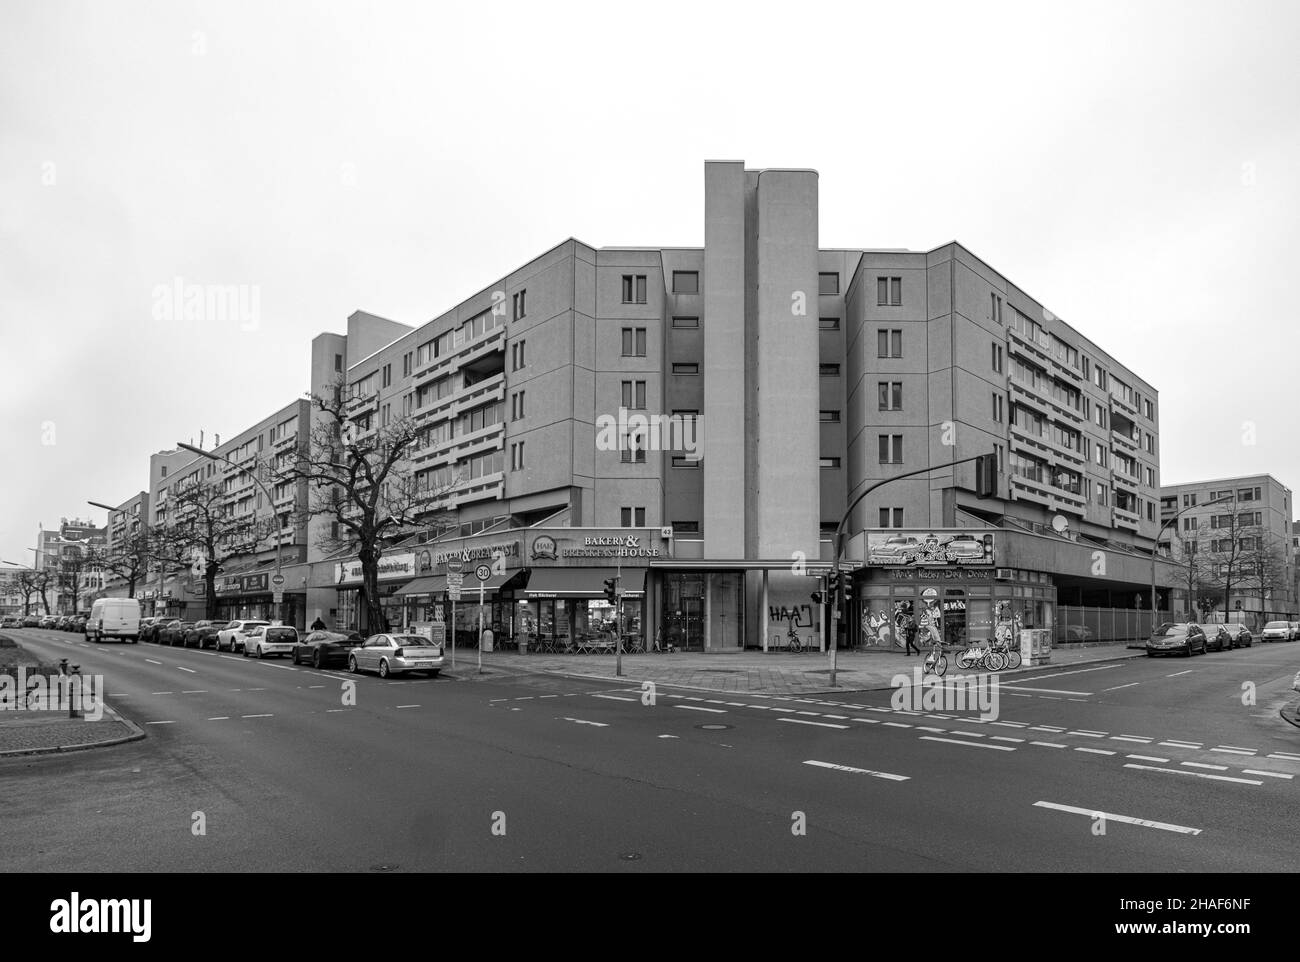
point(383, 668)
point(352, 665)
point(261, 655)
point(315, 659)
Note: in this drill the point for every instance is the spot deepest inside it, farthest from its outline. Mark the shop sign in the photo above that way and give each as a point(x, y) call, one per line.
point(921, 548)
point(390, 566)
point(543, 547)
point(939, 574)
point(620, 546)
point(256, 582)
point(508, 549)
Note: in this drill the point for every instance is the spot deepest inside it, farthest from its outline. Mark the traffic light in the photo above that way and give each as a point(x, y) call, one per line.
point(986, 476)
point(832, 594)
point(611, 590)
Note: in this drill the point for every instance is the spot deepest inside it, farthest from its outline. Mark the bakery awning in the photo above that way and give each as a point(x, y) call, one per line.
point(430, 585)
point(581, 582)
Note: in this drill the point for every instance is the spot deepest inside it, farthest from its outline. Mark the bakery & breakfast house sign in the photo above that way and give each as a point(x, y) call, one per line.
point(599, 546)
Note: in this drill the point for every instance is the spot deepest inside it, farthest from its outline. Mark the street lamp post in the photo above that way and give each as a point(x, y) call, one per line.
point(279, 578)
point(1156, 550)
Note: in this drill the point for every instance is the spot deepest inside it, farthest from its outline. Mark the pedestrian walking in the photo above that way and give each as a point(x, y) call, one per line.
point(318, 625)
point(909, 632)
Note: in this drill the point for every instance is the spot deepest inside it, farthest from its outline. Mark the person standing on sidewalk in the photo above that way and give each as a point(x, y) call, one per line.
point(909, 632)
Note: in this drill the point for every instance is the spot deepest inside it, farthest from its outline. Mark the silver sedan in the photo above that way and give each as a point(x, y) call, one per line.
point(396, 654)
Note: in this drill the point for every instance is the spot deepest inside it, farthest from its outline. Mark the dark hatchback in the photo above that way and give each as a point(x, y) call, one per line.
point(322, 648)
point(173, 632)
point(204, 634)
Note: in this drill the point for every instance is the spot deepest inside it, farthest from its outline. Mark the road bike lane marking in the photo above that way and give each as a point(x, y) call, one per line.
point(889, 776)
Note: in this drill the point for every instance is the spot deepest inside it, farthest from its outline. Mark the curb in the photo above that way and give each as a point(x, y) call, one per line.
point(136, 734)
point(541, 672)
point(1294, 716)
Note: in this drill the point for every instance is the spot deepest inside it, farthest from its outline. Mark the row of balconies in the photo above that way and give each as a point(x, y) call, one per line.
point(472, 350)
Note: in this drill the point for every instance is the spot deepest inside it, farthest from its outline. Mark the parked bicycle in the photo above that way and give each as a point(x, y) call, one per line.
point(936, 661)
point(982, 659)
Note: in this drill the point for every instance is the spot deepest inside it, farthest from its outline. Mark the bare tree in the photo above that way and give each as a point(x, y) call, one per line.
point(128, 557)
point(1195, 575)
point(1263, 567)
point(204, 533)
point(361, 477)
point(32, 582)
point(1232, 553)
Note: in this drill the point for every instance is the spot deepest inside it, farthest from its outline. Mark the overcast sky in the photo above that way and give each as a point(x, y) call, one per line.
point(1133, 166)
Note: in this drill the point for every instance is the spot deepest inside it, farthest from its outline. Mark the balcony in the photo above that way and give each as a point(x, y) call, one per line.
point(453, 449)
point(285, 443)
point(1064, 367)
point(1128, 407)
point(1031, 395)
point(359, 405)
point(492, 387)
point(465, 353)
point(1062, 407)
point(1038, 349)
point(1119, 477)
point(1126, 519)
point(1126, 440)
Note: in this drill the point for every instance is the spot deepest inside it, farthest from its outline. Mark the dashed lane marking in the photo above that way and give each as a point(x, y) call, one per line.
point(953, 741)
point(583, 721)
point(1126, 819)
point(190, 670)
point(889, 776)
point(1180, 771)
point(1149, 758)
point(1214, 768)
point(1252, 771)
point(804, 721)
point(716, 711)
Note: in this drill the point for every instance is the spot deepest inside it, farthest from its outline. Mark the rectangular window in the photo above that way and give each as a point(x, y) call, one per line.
point(995, 308)
point(828, 323)
point(338, 362)
point(889, 291)
point(997, 358)
point(633, 517)
point(634, 341)
point(828, 283)
point(686, 322)
point(634, 288)
point(387, 378)
point(829, 462)
point(997, 407)
point(634, 395)
point(832, 417)
point(686, 369)
point(517, 456)
point(686, 527)
point(891, 448)
point(890, 395)
point(520, 305)
point(1147, 409)
point(517, 355)
point(889, 343)
point(829, 370)
point(686, 282)
point(891, 517)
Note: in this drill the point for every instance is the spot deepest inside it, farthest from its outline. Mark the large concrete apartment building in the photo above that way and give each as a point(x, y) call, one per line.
point(694, 422)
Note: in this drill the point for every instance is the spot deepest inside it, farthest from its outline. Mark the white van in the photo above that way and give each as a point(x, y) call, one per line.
point(114, 618)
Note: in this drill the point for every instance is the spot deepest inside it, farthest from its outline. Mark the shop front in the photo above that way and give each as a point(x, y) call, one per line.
point(947, 582)
point(245, 597)
point(395, 571)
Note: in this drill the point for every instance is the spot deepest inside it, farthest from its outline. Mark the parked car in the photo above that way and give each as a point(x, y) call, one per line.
point(173, 632)
point(1239, 634)
point(1217, 638)
point(1075, 633)
point(31, 621)
point(11, 621)
point(49, 621)
point(266, 640)
point(61, 623)
point(204, 633)
point(1295, 631)
point(78, 623)
point(1276, 631)
point(1173, 638)
point(231, 637)
point(147, 626)
point(323, 648)
point(396, 654)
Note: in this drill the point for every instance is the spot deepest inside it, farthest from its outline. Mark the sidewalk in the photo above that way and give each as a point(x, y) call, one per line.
point(747, 671)
point(42, 732)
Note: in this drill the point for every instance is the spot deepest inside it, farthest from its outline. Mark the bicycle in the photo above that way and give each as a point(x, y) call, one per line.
point(987, 659)
point(794, 642)
point(936, 661)
point(1009, 652)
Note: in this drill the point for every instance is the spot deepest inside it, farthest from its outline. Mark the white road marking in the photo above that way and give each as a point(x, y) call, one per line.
point(858, 771)
point(1046, 691)
point(408, 706)
point(583, 721)
point(953, 741)
point(1180, 745)
point(152, 662)
point(256, 716)
point(1179, 771)
point(614, 697)
point(804, 721)
point(1118, 687)
point(1049, 745)
point(197, 691)
point(968, 734)
point(667, 736)
point(926, 728)
point(868, 721)
point(897, 725)
point(1285, 756)
point(1007, 724)
point(1046, 728)
point(1252, 771)
point(779, 708)
point(332, 710)
point(1234, 751)
point(160, 723)
point(162, 692)
point(1130, 738)
point(716, 711)
point(220, 718)
point(1177, 673)
point(1149, 758)
point(190, 670)
point(1089, 734)
point(1126, 819)
point(838, 717)
point(1095, 751)
point(231, 657)
point(1216, 768)
point(1007, 738)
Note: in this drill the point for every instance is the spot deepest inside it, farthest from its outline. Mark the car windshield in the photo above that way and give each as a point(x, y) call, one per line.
point(411, 640)
point(1277, 624)
point(1169, 629)
point(281, 634)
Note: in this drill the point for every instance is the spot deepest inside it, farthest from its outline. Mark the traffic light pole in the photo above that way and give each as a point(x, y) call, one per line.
point(836, 576)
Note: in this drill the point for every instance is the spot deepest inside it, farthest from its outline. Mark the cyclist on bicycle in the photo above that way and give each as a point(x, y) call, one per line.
point(909, 633)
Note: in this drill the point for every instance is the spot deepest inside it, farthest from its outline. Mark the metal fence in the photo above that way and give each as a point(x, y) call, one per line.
point(1075, 625)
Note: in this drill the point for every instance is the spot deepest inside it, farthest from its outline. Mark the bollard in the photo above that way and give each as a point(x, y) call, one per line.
point(73, 711)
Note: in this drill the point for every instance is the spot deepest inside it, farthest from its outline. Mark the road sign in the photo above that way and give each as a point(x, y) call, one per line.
point(455, 579)
point(277, 580)
point(455, 565)
point(277, 597)
point(483, 572)
point(453, 592)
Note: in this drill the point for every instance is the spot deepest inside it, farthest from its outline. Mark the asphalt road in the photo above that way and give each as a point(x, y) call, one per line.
point(1133, 766)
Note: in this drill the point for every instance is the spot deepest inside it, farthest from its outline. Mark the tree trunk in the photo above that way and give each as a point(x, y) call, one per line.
point(376, 622)
point(210, 590)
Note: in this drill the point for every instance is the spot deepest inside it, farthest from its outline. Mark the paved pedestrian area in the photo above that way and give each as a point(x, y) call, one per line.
point(748, 671)
point(42, 731)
